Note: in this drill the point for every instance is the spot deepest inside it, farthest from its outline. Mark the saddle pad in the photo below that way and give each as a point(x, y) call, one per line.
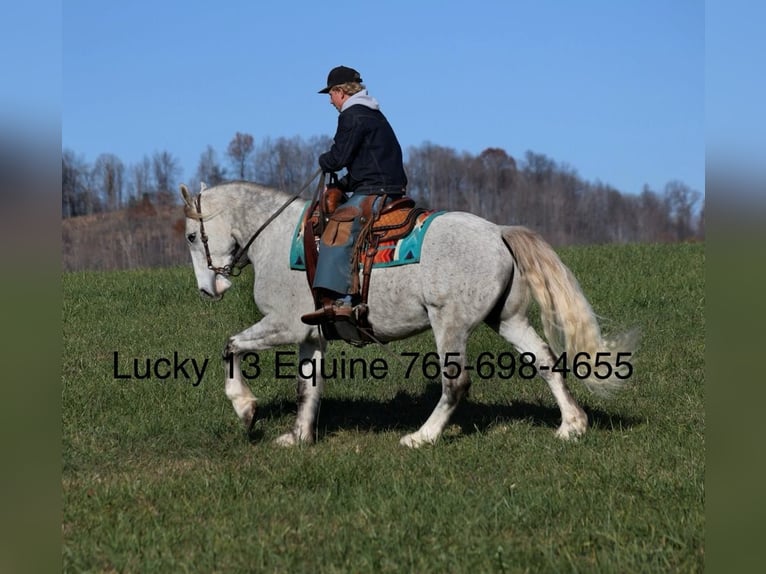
point(390, 253)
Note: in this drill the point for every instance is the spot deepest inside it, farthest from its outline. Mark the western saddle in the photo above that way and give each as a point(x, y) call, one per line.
point(327, 216)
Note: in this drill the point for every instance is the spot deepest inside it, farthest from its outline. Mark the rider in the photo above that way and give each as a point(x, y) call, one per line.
point(364, 144)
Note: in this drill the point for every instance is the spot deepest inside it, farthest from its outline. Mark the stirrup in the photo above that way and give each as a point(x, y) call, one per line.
point(350, 327)
point(329, 312)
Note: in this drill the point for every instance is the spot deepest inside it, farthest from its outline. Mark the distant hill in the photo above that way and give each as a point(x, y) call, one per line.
point(143, 235)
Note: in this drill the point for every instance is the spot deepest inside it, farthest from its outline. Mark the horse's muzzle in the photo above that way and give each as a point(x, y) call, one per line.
point(222, 284)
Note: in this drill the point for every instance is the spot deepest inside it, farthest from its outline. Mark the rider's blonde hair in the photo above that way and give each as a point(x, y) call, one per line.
point(349, 88)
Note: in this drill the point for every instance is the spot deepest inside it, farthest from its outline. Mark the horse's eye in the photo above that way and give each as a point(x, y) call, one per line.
point(191, 237)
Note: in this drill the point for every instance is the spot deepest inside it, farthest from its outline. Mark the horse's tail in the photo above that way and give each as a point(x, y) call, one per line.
point(569, 323)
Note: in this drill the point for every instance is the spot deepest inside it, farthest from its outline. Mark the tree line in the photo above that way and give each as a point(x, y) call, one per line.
point(533, 190)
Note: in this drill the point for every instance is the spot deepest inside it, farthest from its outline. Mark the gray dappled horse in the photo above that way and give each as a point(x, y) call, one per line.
point(470, 271)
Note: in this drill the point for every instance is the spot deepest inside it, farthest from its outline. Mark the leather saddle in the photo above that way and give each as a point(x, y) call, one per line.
point(326, 219)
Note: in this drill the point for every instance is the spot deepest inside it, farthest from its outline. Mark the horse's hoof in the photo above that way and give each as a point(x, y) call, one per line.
point(287, 439)
point(574, 427)
point(251, 423)
point(569, 432)
point(229, 349)
point(414, 440)
point(567, 435)
point(292, 438)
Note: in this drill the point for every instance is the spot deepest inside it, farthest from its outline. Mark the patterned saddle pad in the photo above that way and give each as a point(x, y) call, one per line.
point(390, 253)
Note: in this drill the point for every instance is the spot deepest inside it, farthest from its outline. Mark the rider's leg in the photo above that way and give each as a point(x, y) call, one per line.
point(333, 276)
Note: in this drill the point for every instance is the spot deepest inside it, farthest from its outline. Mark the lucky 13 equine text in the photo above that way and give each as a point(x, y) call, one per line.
point(487, 366)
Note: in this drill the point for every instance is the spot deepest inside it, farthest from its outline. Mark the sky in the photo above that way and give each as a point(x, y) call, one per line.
point(628, 93)
point(613, 90)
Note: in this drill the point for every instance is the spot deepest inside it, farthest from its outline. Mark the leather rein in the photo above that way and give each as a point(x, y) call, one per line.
point(234, 268)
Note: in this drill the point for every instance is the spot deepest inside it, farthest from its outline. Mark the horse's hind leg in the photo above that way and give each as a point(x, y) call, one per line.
point(450, 344)
point(523, 337)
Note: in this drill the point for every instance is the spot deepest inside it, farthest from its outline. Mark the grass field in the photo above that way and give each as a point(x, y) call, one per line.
point(158, 475)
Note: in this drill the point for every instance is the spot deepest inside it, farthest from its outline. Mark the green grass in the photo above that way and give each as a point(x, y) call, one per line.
point(159, 475)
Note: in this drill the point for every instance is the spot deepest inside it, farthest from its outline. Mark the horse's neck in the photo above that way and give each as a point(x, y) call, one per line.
point(248, 208)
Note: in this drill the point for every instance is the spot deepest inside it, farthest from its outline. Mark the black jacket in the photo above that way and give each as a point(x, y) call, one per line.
point(365, 144)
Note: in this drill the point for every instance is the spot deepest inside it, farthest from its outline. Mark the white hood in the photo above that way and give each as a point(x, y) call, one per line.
point(361, 98)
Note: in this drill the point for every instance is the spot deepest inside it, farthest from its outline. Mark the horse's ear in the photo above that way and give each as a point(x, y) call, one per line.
point(185, 195)
point(202, 186)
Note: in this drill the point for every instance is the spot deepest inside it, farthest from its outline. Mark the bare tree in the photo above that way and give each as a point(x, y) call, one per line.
point(681, 200)
point(79, 196)
point(239, 151)
point(166, 171)
point(560, 199)
point(108, 173)
point(539, 167)
point(532, 200)
point(73, 173)
point(417, 170)
point(141, 181)
point(492, 176)
point(652, 218)
point(438, 176)
point(288, 163)
point(209, 170)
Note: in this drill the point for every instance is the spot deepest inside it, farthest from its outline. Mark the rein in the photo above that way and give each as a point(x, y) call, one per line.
point(234, 268)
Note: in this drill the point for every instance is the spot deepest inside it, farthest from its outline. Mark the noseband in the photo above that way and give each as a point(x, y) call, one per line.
point(234, 268)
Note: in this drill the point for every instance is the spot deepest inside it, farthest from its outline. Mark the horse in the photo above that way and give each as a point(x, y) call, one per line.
point(471, 271)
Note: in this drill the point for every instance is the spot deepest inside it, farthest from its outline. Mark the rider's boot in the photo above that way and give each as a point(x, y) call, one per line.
point(331, 309)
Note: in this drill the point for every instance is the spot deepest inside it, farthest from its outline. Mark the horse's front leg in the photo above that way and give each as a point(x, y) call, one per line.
point(265, 334)
point(309, 387)
point(240, 395)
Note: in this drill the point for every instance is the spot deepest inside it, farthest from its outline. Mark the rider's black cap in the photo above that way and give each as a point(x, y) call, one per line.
point(341, 75)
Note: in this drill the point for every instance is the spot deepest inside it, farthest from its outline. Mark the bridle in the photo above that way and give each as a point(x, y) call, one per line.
point(234, 268)
point(226, 270)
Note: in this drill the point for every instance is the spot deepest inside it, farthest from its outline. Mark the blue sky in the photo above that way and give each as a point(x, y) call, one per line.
point(627, 92)
point(613, 89)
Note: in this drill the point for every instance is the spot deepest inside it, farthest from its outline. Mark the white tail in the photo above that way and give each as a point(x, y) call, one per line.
point(569, 323)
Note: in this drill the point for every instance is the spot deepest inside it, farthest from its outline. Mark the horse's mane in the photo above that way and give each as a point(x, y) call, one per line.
point(190, 209)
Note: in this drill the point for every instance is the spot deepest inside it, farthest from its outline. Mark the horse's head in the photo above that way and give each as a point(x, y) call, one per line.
point(211, 244)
